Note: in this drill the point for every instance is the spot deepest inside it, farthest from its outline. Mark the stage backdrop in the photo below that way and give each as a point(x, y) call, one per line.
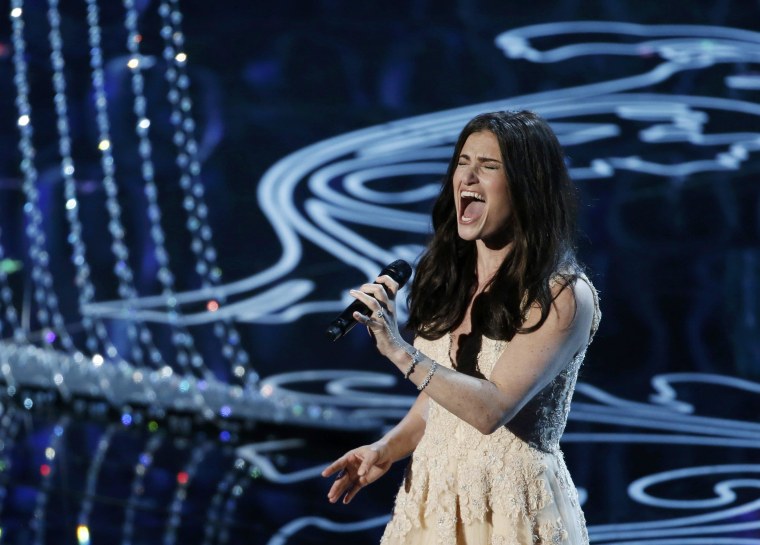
point(188, 190)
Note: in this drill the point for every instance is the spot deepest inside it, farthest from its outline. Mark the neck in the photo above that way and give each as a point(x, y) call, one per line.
point(489, 260)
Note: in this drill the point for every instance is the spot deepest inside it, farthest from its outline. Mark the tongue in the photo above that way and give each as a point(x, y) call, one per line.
point(474, 209)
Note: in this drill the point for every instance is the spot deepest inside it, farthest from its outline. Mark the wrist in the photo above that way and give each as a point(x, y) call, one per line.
point(402, 355)
point(382, 447)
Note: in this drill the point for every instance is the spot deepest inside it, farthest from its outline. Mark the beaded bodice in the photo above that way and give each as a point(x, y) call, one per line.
point(540, 423)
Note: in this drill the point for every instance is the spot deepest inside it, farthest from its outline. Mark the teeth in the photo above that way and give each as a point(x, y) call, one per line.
point(472, 195)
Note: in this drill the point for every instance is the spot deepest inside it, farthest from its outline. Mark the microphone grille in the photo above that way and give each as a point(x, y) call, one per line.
point(399, 270)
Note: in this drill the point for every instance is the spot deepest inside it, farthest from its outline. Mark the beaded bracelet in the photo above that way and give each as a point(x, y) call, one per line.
point(416, 358)
point(430, 374)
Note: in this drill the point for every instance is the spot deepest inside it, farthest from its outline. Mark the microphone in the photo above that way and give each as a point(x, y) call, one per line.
point(399, 270)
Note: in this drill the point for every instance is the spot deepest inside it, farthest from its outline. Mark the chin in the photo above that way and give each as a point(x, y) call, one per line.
point(468, 232)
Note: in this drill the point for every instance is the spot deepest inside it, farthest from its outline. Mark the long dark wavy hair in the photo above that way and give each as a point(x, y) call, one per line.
point(543, 201)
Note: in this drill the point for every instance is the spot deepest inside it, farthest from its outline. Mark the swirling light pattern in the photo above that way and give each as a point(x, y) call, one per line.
point(342, 173)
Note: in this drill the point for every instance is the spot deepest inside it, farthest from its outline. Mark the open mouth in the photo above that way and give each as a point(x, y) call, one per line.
point(471, 206)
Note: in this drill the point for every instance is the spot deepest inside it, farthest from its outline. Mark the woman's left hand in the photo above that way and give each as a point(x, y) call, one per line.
point(380, 298)
point(356, 469)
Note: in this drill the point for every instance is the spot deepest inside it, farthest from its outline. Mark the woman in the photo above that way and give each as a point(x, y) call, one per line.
point(502, 315)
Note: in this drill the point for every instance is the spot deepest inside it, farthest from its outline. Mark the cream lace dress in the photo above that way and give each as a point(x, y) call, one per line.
point(508, 488)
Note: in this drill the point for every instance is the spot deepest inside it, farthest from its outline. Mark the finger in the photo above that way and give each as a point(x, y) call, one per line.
point(369, 460)
point(343, 482)
point(332, 468)
point(382, 294)
point(339, 488)
point(352, 492)
point(338, 464)
point(391, 286)
point(368, 300)
point(377, 291)
point(361, 318)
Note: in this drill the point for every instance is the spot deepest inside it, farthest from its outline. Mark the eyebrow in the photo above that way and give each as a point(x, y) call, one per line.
point(483, 159)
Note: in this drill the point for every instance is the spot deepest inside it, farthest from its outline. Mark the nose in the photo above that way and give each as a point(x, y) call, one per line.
point(468, 176)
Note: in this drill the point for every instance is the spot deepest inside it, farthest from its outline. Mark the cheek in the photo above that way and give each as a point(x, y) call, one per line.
point(502, 203)
point(501, 215)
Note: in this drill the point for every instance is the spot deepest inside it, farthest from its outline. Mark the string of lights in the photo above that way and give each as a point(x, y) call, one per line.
point(184, 478)
point(214, 514)
point(9, 428)
point(97, 336)
point(47, 470)
point(93, 473)
point(6, 296)
point(48, 312)
point(189, 164)
point(187, 356)
point(137, 332)
point(144, 463)
point(247, 473)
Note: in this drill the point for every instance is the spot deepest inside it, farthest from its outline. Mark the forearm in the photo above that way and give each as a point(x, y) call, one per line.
point(476, 401)
point(406, 435)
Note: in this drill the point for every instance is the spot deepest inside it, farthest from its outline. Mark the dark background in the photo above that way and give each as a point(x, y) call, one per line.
point(674, 257)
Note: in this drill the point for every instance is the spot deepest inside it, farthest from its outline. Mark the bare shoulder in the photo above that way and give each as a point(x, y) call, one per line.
point(574, 305)
point(545, 351)
point(572, 308)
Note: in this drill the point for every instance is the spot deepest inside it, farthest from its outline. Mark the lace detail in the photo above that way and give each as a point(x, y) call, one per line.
point(508, 488)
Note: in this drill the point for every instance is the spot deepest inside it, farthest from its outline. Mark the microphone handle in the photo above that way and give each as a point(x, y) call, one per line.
point(399, 270)
point(345, 321)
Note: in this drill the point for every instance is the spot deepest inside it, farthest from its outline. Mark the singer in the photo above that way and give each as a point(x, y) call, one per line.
point(502, 314)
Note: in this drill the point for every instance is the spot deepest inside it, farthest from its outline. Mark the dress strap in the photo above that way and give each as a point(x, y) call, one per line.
point(597, 310)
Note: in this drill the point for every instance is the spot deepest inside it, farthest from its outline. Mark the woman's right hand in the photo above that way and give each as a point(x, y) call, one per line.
point(356, 469)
